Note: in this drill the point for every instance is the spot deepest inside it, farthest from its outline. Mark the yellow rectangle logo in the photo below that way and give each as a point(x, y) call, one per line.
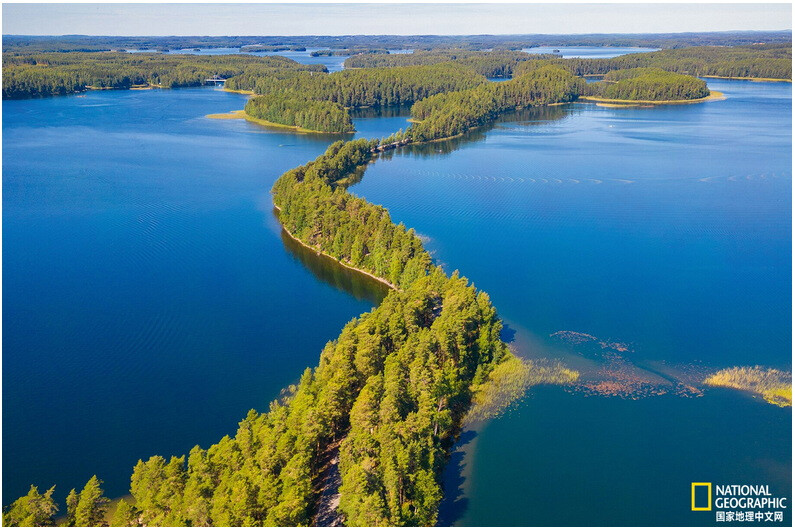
point(697, 496)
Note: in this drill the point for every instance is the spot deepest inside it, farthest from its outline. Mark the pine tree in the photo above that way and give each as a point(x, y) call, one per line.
point(92, 505)
point(71, 506)
point(125, 515)
point(33, 510)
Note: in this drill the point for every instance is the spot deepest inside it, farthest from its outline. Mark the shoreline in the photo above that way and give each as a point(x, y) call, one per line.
point(714, 95)
point(244, 92)
point(241, 114)
point(754, 79)
point(340, 261)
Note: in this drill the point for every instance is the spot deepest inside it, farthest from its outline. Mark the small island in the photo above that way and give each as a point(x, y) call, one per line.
point(649, 86)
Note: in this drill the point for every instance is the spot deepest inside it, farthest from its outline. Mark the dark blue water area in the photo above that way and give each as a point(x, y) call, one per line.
point(559, 459)
point(666, 228)
point(149, 300)
point(587, 52)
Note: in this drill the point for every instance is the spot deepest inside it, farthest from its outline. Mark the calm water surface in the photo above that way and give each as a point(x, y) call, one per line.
point(668, 229)
point(587, 52)
point(148, 298)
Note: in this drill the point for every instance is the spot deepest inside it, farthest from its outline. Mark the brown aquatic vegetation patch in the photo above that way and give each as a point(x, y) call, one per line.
point(616, 375)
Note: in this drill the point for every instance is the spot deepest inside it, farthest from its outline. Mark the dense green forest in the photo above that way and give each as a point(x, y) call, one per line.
point(648, 84)
point(759, 61)
point(323, 116)
point(365, 87)
point(388, 394)
point(64, 43)
point(488, 63)
point(378, 78)
point(64, 73)
point(452, 113)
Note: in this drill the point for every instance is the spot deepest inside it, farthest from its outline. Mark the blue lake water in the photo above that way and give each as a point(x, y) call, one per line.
point(667, 229)
point(150, 299)
point(588, 52)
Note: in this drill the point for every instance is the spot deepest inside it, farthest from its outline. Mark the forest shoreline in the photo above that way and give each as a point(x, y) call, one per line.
point(339, 261)
point(755, 79)
point(241, 114)
point(714, 95)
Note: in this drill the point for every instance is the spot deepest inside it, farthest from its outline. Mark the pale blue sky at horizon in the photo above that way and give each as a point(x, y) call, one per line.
point(381, 19)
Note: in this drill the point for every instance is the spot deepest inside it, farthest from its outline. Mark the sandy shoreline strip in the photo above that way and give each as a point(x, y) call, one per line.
point(714, 95)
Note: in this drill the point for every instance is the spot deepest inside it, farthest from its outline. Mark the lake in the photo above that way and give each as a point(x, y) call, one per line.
point(666, 230)
point(151, 300)
point(588, 52)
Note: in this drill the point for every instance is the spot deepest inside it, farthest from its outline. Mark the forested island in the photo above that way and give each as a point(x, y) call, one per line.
point(389, 394)
point(648, 85)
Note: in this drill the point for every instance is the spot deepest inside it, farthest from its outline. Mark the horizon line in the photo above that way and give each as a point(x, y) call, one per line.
point(412, 34)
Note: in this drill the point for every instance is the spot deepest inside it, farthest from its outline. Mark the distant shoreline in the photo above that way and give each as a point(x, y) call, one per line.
point(714, 95)
point(755, 79)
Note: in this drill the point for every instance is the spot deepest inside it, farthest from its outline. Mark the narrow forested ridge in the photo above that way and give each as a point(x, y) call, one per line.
point(389, 394)
point(390, 391)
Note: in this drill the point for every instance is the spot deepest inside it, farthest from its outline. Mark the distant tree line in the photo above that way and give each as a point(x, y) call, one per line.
point(760, 61)
point(50, 74)
point(67, 43)
point(488, 63)
point(348, 51)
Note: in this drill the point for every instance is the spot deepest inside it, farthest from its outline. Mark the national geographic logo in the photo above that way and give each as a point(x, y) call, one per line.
point(738, 503)
point(701, 496)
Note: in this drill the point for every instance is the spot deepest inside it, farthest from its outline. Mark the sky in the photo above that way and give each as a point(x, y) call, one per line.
point(380, 19)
